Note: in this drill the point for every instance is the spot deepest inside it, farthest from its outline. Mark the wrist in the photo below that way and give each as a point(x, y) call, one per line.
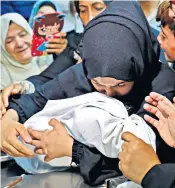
point(150, 176)
point(151, 166)
point(11, 114)
point(70, 145)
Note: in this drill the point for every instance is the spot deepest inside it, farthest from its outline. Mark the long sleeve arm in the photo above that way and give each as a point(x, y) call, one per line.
point(70, 83)
point(60, 64)
point(162, 175)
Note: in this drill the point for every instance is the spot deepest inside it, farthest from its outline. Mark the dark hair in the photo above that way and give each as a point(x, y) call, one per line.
point(162, 10)
point(47, 20)
point(10, 22)
point(76, 3)
point(170, 22)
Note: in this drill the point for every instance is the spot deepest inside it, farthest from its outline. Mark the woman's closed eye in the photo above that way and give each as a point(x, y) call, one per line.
point(83, 9)
point(120, 85)
point(99, 7)
point(23, 34)
point(8, 41)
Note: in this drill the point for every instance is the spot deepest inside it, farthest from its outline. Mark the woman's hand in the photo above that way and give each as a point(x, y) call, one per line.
point(12, 89)
point(136, 158)
point(55, 143)
point(164, 110)
point(10, 130)
point(57, 45)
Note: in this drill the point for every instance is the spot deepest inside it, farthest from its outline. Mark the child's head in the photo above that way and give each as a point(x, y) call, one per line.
point(166, 38)
point(47, 25)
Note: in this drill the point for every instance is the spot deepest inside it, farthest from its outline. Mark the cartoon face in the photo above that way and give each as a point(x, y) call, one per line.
point(47, 25)
point(48, 30)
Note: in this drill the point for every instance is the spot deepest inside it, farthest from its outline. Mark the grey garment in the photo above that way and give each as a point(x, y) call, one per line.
point(50, 180)
point(114, 182)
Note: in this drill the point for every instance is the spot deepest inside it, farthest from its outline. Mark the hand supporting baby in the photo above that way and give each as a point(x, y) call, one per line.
point(54, 143)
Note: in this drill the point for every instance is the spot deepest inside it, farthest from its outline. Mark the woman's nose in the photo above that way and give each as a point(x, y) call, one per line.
point(19, 42)
point(108, 91)
point(159, 39)
point(90, 15)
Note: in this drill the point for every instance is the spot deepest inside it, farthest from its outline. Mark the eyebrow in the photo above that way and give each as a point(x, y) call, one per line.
point(163, 31)
point(82, 6)
point(11, 37)
point(95, 3)
point(112, 85)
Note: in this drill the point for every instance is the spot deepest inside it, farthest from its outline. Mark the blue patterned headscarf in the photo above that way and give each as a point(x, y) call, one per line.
point(38, 5)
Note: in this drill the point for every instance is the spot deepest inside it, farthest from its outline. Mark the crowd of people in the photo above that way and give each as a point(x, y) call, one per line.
point(116, 81)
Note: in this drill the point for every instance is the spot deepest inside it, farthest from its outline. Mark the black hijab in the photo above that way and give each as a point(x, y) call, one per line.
point(119, 44)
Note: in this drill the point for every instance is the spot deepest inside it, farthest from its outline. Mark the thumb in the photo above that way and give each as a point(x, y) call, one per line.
point(24, 134)
point(128, 137)
point(62, 34)
point(55, 123)
point(17, 89)
point(166, 109)
point(47, 158)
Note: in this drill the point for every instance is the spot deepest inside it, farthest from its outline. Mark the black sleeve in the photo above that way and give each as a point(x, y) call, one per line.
point(160, 176)
point(95, 168)
point(60, 64)
point(70, 83)
point(73, 41)
point(164, 84)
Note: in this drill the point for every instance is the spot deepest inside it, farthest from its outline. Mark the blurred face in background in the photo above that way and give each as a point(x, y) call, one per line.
point(172, 11)
point(166, 39)
point(18, 44)
point(45, 10)
point(90, 9)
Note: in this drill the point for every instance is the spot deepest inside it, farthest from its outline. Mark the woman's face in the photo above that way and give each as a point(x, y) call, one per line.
point(45, 10)
point(90, 9)
point(112, 87)
point(18, 44)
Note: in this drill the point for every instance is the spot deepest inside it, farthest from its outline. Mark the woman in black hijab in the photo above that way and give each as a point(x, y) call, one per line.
point(117, 44)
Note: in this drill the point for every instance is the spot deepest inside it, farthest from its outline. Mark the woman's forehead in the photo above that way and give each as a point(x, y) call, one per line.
point(107, 80)
point(90, 1)
point(14, 28)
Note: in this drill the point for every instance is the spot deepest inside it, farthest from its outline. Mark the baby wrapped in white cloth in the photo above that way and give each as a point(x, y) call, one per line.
point(94, 119)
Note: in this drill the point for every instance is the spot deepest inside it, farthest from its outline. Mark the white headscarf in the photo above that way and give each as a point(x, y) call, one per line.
point(12, 70)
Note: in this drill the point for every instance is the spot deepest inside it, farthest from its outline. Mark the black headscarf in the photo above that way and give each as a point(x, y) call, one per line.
point(119, 44)
point(76, 2)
